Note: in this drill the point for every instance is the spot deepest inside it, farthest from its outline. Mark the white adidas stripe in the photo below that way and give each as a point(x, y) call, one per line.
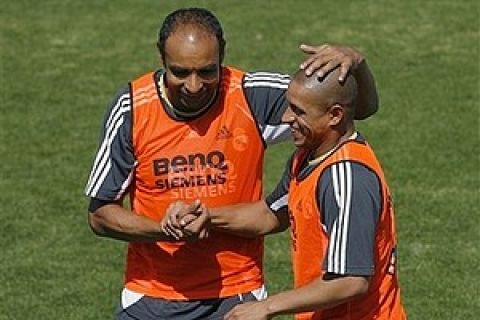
point(274, 134)
point(266, 73)
point(102, 162)
point(341, 191)
point(264, 78)
point(337, 248)
point(121, 103)
point(267, 79)
point(279, 203)
point(346, 220)
point(265, 84)
point(125, 98)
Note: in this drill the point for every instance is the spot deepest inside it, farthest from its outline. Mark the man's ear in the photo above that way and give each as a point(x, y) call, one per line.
point(337, 113)
point(160, 55)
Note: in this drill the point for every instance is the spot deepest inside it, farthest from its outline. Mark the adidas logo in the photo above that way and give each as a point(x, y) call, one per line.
point(193, 134)
point(224, 133)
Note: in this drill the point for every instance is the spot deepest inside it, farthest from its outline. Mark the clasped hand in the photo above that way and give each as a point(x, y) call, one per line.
point(186, 222)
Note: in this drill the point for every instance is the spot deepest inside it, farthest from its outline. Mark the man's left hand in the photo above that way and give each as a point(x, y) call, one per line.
point(327, 57)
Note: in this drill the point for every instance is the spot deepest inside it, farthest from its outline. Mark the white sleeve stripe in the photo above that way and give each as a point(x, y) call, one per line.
point(108, 132)
point(105, 163)
point(265, 84)
point(98, 176)
point(270, 79)
point(337, 248)
point(279, 203)
point(333, 235)
point(103, 154)
point(331, 247)
point(341, 187)
point(122, 100)
point(125, 184)
point(100, 180)
point(104, 150)
point(272, 134)
point(346, 220)
point(268, 74)
point(335, 184)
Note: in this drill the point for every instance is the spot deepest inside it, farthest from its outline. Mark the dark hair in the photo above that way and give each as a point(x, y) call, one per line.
point(195, 16)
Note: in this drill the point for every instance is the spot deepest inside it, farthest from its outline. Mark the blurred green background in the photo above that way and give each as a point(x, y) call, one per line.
point(62, 62)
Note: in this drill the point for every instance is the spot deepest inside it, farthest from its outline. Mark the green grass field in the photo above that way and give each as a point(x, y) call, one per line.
point(62, 62)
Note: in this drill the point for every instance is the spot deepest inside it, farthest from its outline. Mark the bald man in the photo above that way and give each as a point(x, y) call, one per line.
point(335, 199)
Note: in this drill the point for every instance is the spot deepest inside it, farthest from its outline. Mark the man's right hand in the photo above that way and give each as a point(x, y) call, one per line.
point(186, 222)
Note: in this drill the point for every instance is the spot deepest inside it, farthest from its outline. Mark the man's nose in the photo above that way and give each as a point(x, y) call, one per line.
point(193, 84)
point(288, 116)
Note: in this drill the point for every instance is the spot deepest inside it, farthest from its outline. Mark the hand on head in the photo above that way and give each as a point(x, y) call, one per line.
point(325, 58)
point(186, 222)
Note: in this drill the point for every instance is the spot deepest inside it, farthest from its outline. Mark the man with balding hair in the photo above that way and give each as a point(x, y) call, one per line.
point(335, 198)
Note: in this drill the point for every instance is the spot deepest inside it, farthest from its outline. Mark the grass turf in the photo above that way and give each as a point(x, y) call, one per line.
point(62, 61)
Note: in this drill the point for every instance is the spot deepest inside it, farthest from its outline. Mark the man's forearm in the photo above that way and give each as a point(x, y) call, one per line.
point(248, 220)
point(114, 221)
point(367, 103)
point(319, 294)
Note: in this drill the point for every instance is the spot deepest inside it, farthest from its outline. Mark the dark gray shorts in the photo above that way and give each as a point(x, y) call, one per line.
point(148, 308)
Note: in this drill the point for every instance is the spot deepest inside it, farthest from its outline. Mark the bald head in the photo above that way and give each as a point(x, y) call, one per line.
point(328, 90)
point(200, 19)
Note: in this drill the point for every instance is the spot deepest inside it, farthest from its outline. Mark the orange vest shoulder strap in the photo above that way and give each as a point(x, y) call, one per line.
point(143, 88)
point(355, 151)
point(237, 73)
point(142, 81)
